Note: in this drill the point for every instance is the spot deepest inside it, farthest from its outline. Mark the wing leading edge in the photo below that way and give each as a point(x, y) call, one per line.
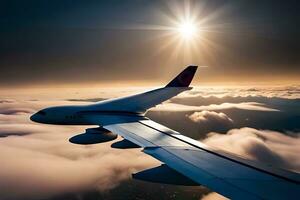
point(139, 103)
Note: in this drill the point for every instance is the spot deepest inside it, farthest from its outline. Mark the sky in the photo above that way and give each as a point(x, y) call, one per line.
point(245, 100)
point(133, 41)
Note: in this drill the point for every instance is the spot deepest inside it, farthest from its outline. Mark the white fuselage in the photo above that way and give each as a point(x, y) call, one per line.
point(75, 114)
point(64, 115)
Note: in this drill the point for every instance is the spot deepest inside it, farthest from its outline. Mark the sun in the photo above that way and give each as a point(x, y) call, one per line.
point(187, 29)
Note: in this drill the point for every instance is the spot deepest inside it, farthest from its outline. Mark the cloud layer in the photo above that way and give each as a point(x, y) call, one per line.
point(213, 196)
point(284, 91)
point(207, 116)
point(275, 148)
point(39, 162)
point(243, 105)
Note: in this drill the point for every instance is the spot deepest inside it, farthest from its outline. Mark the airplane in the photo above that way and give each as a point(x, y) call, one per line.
point(185, 161)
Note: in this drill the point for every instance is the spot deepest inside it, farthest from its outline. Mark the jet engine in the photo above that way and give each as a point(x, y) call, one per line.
point(93, 136)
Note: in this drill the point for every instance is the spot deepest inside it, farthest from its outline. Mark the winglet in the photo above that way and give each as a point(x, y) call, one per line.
point(184, 78)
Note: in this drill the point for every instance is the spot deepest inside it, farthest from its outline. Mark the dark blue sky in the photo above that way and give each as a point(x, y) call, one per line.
point(95, 41)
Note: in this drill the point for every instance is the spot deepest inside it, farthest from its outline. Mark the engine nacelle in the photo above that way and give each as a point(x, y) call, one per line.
point(93, 136)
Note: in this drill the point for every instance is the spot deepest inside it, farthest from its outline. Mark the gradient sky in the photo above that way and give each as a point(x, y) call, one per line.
point(119, 41)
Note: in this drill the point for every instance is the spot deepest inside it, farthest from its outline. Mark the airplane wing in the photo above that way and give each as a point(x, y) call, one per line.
point(139, 103)
point(225, 173)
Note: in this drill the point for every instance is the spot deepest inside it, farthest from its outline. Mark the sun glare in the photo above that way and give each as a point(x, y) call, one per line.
point(187, 30)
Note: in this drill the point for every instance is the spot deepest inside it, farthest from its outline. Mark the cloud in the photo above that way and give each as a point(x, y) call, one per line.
point(44, 170)
point(7, 101)
point(261, 112)
point(211, 121)
point(39, 162)
point(11, 111)
point(207, 116)
point(19, 129)
point(213, 107)
point(213, 196)
point(275, 148)
point(284, 91)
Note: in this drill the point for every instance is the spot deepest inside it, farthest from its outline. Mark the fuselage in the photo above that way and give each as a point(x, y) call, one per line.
point(77, 114)
point(62, 115)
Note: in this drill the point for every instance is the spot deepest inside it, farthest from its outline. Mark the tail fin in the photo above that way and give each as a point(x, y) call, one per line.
point(184, 78)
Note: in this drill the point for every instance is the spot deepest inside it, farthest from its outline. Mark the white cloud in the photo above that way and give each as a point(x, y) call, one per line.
point(208, 116)
point(39, 161)
point(213, 196)
point(213, 107)
point(275, 148)
point(284, 91)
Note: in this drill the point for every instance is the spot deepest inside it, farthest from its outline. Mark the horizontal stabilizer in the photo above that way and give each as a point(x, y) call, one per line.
point(164, 174)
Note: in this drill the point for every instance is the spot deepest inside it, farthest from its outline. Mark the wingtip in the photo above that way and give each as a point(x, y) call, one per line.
point(192, 66)
point(184, 78)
